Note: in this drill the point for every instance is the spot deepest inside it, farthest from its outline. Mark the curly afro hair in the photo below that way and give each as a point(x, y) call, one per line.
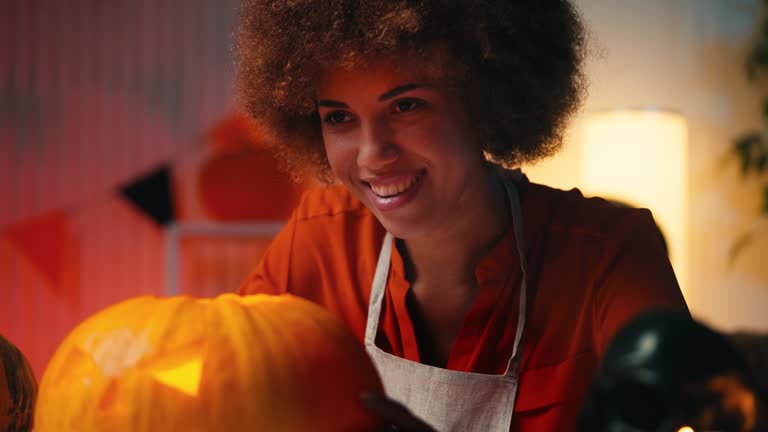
point(515, 64)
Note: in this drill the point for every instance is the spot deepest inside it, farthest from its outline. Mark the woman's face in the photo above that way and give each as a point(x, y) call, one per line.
point(401, 144)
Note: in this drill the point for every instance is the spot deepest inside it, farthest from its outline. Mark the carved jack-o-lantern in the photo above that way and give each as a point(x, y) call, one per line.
point(18, 389)
point(254, 363)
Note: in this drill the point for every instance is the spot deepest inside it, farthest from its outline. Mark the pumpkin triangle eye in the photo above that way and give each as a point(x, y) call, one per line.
point(184, 377)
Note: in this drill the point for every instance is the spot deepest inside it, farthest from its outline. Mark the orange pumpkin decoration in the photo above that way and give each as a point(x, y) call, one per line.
point(18, 389)
point(247, 185)
point(241, 181)
point(254, 363)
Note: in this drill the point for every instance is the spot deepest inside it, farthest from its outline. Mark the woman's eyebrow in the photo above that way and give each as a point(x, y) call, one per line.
point(398, 90)
point(329, 103)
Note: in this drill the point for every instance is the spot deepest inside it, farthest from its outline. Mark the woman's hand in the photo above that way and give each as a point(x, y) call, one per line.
point(396, 416)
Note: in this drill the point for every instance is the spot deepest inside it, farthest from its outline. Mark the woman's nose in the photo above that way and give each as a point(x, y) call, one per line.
point(377, 148)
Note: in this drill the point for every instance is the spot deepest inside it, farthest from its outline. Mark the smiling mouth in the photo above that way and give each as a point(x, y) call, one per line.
point(395, 189)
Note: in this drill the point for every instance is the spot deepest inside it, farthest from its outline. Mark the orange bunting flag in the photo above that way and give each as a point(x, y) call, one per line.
point(47, 243)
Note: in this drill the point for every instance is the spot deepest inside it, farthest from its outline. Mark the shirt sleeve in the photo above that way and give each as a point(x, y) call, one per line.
point(635, 275)
point(272, 273)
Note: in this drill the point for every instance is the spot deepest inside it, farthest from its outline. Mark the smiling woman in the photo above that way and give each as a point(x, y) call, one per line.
point(437, 257)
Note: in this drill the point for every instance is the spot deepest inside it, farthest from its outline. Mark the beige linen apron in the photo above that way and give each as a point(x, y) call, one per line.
point(450, 401)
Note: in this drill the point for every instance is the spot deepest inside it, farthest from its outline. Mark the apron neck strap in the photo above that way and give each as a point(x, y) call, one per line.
point(377, 289)
point(517, 226)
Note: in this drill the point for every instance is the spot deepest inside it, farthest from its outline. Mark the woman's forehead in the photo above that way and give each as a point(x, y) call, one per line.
point(390, 70)
point(371, 79)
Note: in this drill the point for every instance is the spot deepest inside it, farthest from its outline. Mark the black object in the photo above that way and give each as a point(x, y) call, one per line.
point(152, 195)
point(664, 371)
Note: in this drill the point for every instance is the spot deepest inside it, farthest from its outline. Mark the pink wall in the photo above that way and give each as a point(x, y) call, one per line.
point(92, 95)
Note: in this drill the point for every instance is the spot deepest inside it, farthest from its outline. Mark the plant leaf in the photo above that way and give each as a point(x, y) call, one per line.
point(741, 242)
point(761, 162)
point(757, 59)
point(765, 112)
point(744, 148)
point(760, 224)
point(764, 209)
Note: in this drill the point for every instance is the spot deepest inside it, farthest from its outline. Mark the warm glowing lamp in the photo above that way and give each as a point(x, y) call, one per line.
point(640, 157)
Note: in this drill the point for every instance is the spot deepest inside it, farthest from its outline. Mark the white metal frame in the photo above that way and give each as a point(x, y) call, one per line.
point(176, 231)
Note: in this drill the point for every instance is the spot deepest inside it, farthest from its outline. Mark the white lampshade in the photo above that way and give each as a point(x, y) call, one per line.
point(640, 157)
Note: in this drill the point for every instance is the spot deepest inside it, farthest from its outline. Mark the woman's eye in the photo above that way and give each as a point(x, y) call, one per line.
point(407, 105)
point(337, 117)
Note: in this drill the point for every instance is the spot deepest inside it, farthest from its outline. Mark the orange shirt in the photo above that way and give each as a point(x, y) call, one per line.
point(592, 266)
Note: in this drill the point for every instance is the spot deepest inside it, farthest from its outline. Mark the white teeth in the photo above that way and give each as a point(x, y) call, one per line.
point(394, 189)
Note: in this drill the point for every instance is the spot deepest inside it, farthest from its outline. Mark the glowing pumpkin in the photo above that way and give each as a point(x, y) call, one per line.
point(18, 389)
point(255, 363)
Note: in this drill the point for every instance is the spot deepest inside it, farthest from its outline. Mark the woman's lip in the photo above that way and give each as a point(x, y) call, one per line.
point(396, 201)
point(381, 181)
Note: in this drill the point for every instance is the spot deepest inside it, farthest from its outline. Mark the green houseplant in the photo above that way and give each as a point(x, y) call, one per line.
point(751, 148)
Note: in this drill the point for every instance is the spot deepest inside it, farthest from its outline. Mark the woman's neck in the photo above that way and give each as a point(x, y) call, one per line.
point(446, 259)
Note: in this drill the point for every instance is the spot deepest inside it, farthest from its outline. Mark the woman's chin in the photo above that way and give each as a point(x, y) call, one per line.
point(402, 228)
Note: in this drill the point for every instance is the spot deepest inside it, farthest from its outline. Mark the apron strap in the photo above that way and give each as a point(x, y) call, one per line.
point(377, 289)
point(517, 226)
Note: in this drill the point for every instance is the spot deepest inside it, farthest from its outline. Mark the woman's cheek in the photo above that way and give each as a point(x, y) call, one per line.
point(340, 152)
